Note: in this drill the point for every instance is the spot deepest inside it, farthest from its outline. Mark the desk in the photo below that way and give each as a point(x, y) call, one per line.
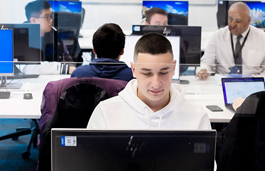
point(200, 92)
point(208, 92)
point(17, 107)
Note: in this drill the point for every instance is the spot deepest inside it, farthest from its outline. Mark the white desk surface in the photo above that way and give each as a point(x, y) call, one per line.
point(201, 92)
point(17, 107)
point(86, 41)
point(208, 92)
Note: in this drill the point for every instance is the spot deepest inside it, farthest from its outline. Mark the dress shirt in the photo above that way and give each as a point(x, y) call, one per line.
point(219, 52)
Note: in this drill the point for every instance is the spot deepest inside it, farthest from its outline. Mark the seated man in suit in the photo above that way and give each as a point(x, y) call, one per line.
point(39, 12)
point(151, 101)
point(108, 45)
point(236, 49)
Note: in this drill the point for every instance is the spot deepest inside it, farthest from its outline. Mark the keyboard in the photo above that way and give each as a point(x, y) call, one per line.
point(20, 76)
point(4, 94)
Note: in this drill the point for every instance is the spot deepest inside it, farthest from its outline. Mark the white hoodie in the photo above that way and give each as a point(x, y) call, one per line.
point(127, 112)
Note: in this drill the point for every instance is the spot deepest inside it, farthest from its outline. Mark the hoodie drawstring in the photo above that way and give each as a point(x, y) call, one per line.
point(148, 114)
point(160, 118)
point(148, 117)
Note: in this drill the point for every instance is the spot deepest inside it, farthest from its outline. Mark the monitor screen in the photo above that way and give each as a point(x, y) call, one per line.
point(83, 150)
point(66, 6)
point(190, 40)
point(27, 45)
point(131, 40)
point(6, 50)
point(177, 10)
point(257, 13)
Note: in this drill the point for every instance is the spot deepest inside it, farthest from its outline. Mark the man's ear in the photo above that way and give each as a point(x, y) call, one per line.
point(32, 20)
point(94, 51)
point(133, 69)
point(122, 52)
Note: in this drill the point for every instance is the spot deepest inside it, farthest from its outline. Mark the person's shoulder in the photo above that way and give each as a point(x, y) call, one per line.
point(83, 70)
point(191, 107)
point(111, 102)
point(258, 31)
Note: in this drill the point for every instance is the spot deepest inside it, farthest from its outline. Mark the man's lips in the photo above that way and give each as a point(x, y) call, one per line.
point(155, 91)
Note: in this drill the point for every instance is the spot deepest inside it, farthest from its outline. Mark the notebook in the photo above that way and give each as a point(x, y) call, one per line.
point(82, 150)
point(240, 87)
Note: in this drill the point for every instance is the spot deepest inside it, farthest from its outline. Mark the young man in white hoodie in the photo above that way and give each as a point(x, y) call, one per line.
point(151, 101)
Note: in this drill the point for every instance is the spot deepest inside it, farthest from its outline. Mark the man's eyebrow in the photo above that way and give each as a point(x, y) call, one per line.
point(145, 69)
point(166, 68)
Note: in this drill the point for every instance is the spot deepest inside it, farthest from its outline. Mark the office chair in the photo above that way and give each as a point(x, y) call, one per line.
point(34, 130)
point(68, 27)
point(243, 140)
point(69, 103)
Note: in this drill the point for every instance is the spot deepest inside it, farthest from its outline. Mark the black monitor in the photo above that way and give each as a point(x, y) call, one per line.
point(82, 150)
point(190, 42)
point(177, 10)
point(27, 45)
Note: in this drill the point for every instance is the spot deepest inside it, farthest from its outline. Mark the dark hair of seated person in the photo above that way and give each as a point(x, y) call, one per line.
point(108, 41)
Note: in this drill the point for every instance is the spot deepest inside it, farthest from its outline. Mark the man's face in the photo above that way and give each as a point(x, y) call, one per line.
point(238, 21)
point(44, 20)
point(158, 19)
point(154, 76)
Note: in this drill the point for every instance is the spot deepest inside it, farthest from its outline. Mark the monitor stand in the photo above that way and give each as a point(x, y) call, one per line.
point(5, 85)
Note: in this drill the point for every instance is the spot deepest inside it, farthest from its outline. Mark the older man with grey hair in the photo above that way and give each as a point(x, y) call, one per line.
point(235, 49)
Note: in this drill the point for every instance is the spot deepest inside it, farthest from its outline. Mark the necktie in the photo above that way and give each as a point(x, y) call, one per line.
point(238, 54)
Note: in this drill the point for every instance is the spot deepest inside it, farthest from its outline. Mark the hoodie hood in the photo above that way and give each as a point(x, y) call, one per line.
point(106, 67)
point(129, 95)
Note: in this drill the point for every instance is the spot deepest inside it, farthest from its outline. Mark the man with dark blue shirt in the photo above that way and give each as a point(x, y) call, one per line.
point(108, 45)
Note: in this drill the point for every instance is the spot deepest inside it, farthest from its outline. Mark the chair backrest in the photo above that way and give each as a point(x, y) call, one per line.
point(243, 140)
point(69, 103)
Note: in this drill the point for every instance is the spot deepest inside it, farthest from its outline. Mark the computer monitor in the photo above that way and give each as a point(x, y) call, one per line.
point(82, 150)
point(131, 40)
point(257, 13)
point(7, 54)
point(190, 40)
point(27, 45)
point(66, 6)
point(177, 10)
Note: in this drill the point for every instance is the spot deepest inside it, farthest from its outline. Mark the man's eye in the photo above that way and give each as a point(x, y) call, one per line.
point(163, 73)
point(148, 73)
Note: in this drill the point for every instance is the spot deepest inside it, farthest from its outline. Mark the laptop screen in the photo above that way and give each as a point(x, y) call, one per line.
point(131, 40)
point(240, 87)
point(82, 150)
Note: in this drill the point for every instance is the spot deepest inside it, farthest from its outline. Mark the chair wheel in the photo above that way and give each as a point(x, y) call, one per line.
point(15, 138)
point(25, 155)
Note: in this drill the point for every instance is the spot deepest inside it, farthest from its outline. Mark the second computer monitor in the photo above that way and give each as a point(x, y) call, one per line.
point(177, 10)
point(190, 40)
point(27, 45)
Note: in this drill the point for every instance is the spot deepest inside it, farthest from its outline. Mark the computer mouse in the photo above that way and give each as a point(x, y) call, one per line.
point(27, 96)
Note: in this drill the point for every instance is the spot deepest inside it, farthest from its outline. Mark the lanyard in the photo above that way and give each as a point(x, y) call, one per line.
point(241, 47)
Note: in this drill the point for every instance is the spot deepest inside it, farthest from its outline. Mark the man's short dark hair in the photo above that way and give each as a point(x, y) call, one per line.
point(34, 9)
point(152, 43)
point(108, 41)
point(149, 13)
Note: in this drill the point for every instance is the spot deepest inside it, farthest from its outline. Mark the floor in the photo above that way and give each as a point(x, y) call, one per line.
point(10, 150)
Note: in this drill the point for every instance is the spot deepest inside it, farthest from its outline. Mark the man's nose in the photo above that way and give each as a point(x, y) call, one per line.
point(156, 83)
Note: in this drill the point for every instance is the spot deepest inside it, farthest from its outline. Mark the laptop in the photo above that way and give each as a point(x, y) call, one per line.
point(82, 150)
point(240, 87)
